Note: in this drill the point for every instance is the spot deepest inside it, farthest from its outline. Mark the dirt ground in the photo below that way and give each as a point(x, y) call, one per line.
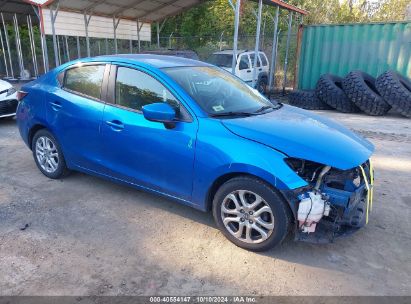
point(88, 236)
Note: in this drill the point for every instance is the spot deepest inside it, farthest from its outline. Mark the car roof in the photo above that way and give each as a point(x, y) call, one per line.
point(157, 61)
point(228, 52)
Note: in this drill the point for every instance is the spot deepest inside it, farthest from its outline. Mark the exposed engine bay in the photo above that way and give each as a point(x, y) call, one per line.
point(336, 202)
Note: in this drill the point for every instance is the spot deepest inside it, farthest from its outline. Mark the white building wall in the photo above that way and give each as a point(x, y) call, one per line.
point(72, 24)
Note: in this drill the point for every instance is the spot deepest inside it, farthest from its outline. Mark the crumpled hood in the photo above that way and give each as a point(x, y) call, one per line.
point(302, 134)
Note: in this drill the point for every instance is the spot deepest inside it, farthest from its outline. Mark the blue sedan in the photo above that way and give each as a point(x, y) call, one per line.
point(197, 134)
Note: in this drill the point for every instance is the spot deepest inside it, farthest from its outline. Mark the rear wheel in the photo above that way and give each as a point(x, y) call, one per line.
point(48, 155)
point(251, 214)
point(262, 85)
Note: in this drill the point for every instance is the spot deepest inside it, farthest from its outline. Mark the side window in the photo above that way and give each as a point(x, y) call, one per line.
point(244, 62)
point(252, 60)
point(263, 59)
point(135, 89)
point(85, 80)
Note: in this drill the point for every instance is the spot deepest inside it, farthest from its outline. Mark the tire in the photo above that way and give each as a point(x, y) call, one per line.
point(396, 91)
point(360, 89)
point(306, 99)
point(276, 221)
point(262, 85)
point(329, 90)
point(54, 165)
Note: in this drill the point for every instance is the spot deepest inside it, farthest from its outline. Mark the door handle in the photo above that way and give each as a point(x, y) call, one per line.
point(116, 125)
point(248, 71)
point(56, 105)
point(260, 69)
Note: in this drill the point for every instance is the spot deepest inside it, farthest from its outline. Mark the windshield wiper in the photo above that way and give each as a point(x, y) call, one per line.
point(229, 114)
point(264, 108)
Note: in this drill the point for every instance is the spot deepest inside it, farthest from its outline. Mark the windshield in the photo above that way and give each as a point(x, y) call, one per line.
point(221, 60)
point(218, 92)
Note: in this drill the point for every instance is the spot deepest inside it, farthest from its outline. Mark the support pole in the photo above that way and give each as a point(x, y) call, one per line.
point(78, 47)
point(115, 25)
point(138, 34)
point(58, 52)
point(236, 25)
point(39, 14)
point(67, 48)
point(221, 40)
point(273, 52)
point(86, 23)
point(18, 47)
point(290, 21)
point(159, 29)
point(6, 36)
point(99, 47)
point(106, 45)
point(169, 40)
point(257, 41)
point(53, 16)
point(4, 55)
point(32, 46)
point(158, 35)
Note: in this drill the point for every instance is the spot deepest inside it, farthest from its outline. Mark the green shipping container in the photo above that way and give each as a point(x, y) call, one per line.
point(340, 49)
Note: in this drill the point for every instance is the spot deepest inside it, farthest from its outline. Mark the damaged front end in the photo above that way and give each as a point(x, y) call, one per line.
point(336, 203)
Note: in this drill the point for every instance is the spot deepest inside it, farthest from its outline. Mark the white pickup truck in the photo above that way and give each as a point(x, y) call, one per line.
point(244, 66)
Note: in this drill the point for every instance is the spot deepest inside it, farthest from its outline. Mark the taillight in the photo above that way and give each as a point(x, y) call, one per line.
point(21, 95)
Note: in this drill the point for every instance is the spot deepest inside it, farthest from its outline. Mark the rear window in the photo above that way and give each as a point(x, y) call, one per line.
point(221, 60)
point(252, 60)
point(85, 80)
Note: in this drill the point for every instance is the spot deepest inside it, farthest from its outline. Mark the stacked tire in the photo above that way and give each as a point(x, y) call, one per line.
point(396, 91)
point(306, 99)
point(358, 91)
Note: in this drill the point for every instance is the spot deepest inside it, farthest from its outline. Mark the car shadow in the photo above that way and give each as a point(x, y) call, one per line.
point(7, 121)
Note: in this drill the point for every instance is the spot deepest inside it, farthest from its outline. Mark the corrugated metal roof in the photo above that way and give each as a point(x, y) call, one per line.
point(339, 49)
point(10, 7)
point(145, 10)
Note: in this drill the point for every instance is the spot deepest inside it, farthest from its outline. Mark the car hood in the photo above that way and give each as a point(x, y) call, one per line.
point(302, 134)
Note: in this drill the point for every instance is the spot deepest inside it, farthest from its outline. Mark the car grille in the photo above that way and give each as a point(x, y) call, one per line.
point(8, 107)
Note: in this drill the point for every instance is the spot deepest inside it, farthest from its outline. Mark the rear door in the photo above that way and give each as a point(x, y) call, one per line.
point(74, 112)
point(264, 62)
point(257, 67)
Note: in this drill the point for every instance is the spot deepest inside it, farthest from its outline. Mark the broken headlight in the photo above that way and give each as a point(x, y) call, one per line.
point(306, 169)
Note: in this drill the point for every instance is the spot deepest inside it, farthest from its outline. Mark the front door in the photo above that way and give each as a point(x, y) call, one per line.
point(143, 152)
point(244, 68)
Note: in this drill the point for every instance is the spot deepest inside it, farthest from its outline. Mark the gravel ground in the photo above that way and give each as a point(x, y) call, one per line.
point(88, 236)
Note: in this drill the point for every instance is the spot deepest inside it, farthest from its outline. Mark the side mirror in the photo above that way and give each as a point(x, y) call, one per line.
point(160, 112)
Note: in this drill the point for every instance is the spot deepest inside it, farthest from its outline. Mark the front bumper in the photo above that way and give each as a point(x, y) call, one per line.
point(8, 107)
point(350, 208)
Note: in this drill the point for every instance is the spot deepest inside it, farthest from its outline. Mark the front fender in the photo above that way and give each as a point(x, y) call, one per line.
point(220, 152)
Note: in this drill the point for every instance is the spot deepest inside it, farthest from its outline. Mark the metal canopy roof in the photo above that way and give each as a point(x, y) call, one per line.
point(145, 10)
point(10, 7)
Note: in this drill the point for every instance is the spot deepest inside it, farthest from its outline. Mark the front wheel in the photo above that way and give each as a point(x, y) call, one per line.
point(251, 214)
point(48, 155)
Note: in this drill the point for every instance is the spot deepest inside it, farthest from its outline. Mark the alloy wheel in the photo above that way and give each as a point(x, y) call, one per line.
point(47, 154)
point(247, 216)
